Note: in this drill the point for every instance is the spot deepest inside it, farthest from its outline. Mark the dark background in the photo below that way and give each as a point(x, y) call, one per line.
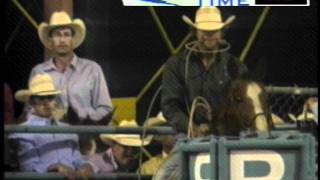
point(126, 43)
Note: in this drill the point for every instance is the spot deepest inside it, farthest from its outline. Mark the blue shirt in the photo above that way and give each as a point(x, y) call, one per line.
point(36, 152)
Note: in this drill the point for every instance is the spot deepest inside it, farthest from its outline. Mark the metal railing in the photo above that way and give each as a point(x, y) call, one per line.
point(80, 129)
point(86, 129)
point(34, 176)
point(291, 90)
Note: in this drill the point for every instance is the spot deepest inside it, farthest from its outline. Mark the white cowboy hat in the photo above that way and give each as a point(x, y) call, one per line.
point(126, 139)
point(62, 19)
point(208, 19)
point(41, 85)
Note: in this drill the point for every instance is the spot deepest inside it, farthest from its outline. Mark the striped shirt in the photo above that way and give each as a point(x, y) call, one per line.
point(36, 152)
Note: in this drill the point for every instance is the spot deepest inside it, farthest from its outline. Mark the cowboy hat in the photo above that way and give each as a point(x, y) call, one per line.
point(208, 19)
point(40, 85)
point(59, 19)
point(126, 139)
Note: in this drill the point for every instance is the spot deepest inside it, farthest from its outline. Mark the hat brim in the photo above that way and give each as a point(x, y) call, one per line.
point(24, 94)
point(77, 25)
point(208, 26)
point(126, 139)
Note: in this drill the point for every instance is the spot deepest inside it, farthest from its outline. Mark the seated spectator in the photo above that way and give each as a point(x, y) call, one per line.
point(167, 141)
point(123, 152)
point(47, 152)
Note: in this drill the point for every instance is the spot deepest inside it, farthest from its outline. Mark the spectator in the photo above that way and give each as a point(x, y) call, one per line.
point(123, 152)
point(47, 152)
point(84, 91)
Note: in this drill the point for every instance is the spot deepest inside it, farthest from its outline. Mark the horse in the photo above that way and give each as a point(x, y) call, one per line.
point(244, 107)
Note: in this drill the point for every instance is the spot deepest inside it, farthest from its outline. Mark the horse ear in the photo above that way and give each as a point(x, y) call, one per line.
point(260, 70)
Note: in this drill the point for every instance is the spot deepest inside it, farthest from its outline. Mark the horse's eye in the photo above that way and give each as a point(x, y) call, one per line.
point(238, 99)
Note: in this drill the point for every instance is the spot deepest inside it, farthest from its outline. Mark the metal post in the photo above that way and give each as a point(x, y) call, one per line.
point(25, 13)
point(163, 32)
point(254, 33)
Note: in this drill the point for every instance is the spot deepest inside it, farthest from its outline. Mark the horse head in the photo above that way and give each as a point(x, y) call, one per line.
point(244, 108)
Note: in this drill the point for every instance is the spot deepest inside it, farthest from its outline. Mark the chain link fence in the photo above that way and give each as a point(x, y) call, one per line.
point(290, 100)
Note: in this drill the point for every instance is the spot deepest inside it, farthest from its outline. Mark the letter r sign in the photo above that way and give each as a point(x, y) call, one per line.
point(275, 168)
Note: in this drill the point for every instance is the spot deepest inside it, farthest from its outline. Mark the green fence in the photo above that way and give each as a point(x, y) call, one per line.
point(285, 157)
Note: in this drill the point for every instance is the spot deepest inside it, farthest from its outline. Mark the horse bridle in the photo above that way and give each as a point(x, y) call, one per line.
point(253, 120)
point(257, 115)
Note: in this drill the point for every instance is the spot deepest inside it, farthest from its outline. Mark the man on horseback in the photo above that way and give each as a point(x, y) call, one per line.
point(203, 69)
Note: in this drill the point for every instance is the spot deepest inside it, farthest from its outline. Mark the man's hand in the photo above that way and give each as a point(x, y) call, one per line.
point(85, 172)
point(64, 170)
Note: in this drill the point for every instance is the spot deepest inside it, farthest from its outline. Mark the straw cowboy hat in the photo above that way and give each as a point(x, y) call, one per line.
point(126, 139)
point(59, 19)
point(41, 85)
point(208, 19)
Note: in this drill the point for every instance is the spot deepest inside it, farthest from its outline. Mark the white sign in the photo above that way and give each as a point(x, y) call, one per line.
point(272, 158)
point(202, 158)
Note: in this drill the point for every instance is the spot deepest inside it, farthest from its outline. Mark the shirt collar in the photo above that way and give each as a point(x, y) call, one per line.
point(49, 65)
point(37, 120)
point(74, 61)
